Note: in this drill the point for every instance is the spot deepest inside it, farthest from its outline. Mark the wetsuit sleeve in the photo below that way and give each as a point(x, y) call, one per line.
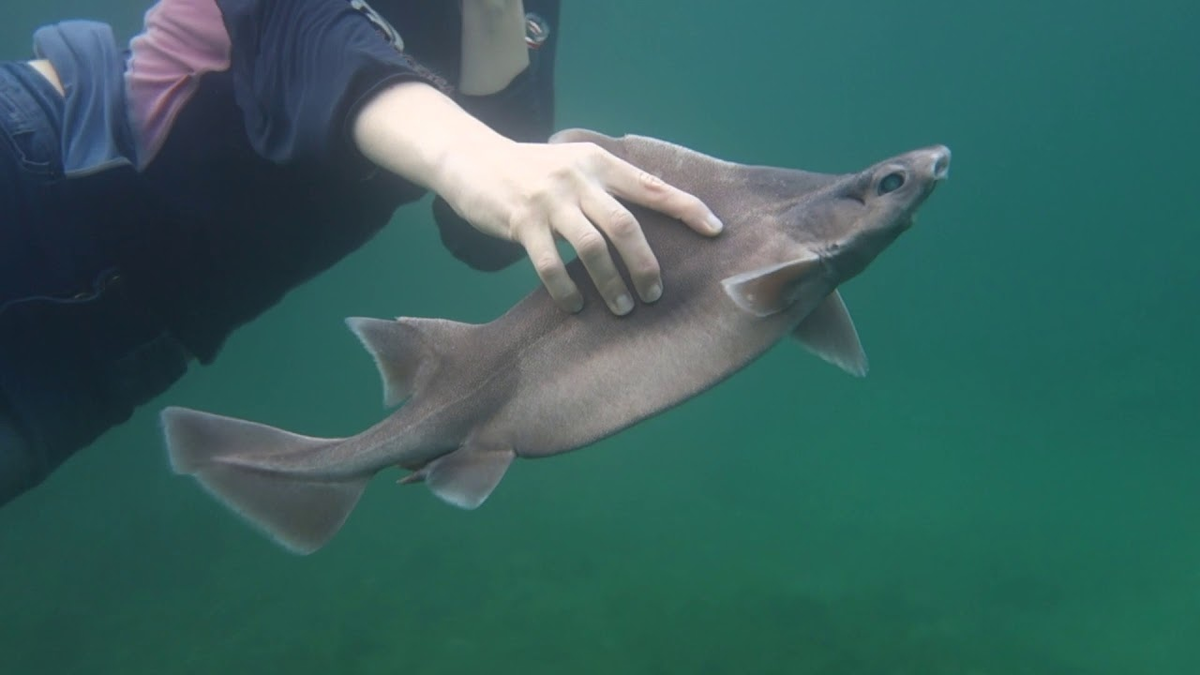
point(302, 67)
point(522, 111)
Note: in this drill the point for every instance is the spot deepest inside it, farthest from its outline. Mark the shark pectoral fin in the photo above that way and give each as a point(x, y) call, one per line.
point(829, 333)
point(770, 290)
point(468, 475)
point(406, 351)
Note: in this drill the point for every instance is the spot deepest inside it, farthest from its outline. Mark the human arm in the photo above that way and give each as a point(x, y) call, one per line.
point(522, 192)
point(522, 110)
point(527, 192)
point(319, 85)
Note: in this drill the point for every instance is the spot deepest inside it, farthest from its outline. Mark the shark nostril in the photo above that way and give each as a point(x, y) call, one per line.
point(941, 165)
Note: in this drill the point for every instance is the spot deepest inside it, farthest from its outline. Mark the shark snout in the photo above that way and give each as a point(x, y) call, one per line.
point(939, 162)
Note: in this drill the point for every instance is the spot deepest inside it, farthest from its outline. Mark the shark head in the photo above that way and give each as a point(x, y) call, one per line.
point(849, 222)
point(792, 236)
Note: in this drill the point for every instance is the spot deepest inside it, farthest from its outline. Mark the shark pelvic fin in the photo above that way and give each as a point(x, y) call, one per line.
point(406, 351)
point(829, 333)
point(467, 476)
point(771, 290)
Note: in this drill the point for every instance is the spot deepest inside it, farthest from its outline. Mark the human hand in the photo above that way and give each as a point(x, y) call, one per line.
point(532, 192)
point(528, 192)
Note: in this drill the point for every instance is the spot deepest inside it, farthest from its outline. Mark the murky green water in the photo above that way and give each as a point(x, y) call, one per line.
point(1012, 490)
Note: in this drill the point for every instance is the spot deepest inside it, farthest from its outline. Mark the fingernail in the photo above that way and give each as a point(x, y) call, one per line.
point(654, 293)
point(575, 303)
point(624, 304)
point(714, 223)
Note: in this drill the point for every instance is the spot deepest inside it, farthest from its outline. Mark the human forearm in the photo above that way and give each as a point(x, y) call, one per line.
point(416, 132)
point(493, 45)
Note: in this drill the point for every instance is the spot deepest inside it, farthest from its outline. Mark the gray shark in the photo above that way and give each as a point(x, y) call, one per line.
point(538, 381)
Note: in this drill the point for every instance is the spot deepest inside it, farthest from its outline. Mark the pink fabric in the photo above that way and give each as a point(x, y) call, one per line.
point(182, 40)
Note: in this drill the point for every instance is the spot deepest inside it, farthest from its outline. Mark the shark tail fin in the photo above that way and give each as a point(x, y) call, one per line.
point(408, 352)
point(246, 466)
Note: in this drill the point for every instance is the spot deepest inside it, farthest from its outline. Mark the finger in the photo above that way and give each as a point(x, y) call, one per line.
point(592, 249)
point(539, 244)
point(627, 237)
point(644, 188)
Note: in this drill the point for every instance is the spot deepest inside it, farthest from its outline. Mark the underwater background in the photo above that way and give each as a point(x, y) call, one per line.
point(1014, 488)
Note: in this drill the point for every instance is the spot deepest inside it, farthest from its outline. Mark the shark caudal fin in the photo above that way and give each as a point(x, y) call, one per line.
point(246, 466)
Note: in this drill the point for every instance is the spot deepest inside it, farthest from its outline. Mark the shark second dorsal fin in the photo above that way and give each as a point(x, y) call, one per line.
point(406, 351)
point(770, 290)
point(829, 333)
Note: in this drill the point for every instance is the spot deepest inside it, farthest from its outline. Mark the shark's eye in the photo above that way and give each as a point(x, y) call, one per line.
point(891, 182)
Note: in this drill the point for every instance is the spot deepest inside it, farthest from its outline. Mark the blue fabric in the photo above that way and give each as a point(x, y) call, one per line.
point(95, 124)
point(30, 165)
point(78, 348)
point(300, 66)
point(29, 162)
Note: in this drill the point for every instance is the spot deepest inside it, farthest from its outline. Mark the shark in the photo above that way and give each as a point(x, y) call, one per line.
point(538, 381)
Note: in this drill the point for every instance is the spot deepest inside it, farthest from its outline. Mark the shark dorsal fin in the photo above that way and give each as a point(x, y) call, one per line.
point(829, 333)
point(407, 351)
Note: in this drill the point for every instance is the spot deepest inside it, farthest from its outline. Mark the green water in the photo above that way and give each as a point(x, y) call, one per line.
point(1013, 490)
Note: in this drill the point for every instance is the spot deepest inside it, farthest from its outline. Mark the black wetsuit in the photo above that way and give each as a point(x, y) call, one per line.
point(112, 280)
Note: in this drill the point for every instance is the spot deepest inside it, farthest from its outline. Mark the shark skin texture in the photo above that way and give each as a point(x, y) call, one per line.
point(538, 381)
